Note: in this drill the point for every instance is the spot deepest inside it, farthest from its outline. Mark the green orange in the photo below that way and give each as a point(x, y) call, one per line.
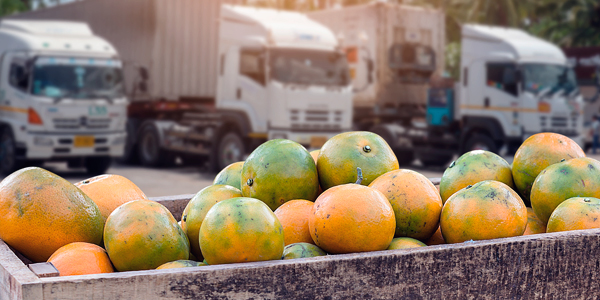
point(405, 243)
point(302, 250)
point(182, 263)
point(473, 167)
point(578, 177)
point(538, 152)
point(198, 207)
point(41, 212)
point(576, 213)
point(241, 230)
point(278, 171)
point(534, 224)
point(416, 202)
point(344, 153)
point(231, 175)
point(142, 235)
point(487, 210)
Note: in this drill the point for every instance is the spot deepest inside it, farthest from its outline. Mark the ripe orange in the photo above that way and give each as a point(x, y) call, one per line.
point(344, 153)
point(538, 152)
point(416, 202)
point(575, 214)
point(110, 191)
point(352, 218)
point(195, 211)
point(231, 175)
point(302, 250)
point(41, 212)
point(436, 239)
point(142, 235)
point(578, 177)
point(534, 224)
point(405, 243)
point(80, 259)
point(278, 171)
point(473, 167)
point(487, 210)
point(293, 216)
point(241, 230)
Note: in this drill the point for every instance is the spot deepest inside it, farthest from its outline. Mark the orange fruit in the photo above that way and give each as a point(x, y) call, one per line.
point(278, 171)
point(436, 239)
point(231, 175)
point(80, 259)
point(487, 210)
point(241, 230)
point(352, 218)
point(473, 167)
point(293, 216)
point(142, 235)
point(578, 177)
point(538, 152)
point(534, 224)
point(199, 205)
point(42, 212)
point(575, 214)
point(405, 243)
point(182, 263)
point(416, 202)
point(110, 191)
point(315, 156)
point(302, 250)
point(344, 153)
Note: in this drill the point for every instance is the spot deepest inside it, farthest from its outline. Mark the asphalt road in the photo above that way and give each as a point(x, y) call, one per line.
point(184, 179)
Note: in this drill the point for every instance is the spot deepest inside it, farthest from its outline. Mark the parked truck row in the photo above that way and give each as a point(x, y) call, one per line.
point(208, 82)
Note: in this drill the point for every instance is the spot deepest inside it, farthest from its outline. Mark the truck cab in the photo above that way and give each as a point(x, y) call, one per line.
point(61, 96)
point(514, 85)
point(282, 75)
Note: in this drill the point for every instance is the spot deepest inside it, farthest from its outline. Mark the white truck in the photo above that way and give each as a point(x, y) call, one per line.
point(211, 81)
point(61, 96)
point(512, 84)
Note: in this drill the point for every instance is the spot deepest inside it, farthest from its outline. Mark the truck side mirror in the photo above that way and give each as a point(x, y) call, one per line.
point(143, 73)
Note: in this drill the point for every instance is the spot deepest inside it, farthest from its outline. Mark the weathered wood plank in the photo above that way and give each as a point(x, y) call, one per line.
point(546, 266)
point(44, 269)
point(175, 204)
point(16, 280)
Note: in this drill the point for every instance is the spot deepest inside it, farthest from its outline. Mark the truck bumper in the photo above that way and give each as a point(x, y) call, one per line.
point(56, 146)
point(310, 140)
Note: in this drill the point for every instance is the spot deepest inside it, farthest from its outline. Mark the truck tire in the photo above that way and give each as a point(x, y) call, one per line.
point(130, 154)
point(8, 153)
point(149, 151)
point(435, 161)
point(480, 142)
point(405, 157)
point(97, 165)
point(230, 149)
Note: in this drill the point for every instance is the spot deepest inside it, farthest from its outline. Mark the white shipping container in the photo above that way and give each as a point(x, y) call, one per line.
point(372, 29)
point(175, 40)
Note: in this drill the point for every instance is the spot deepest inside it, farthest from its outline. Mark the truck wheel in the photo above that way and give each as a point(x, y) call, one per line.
point(480, 142)
point(405, 157)
point(149, 151)
point(97, 165)
point(435, 161)
point(8, 156)
point(129, 155)
point(230, 149)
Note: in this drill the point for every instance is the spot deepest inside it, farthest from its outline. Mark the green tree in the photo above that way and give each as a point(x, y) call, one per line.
point(8, 7)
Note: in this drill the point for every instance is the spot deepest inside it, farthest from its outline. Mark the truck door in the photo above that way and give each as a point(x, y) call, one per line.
point(501, 96)
point(14, 83)
point(251, 82)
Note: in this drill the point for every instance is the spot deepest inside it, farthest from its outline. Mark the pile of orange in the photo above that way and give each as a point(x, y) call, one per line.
point(285, 202)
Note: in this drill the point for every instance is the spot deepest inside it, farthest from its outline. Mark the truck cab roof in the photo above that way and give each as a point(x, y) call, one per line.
point(523, 46)
point(282, 28)
point(60, 37)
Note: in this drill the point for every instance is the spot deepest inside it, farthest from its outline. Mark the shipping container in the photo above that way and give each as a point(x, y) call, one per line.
point(175, 41)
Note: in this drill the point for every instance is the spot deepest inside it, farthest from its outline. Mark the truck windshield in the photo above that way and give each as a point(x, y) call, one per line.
point(309, 67)
point(554, 78)
point(77, 78)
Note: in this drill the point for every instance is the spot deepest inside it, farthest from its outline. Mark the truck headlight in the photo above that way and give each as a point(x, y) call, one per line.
point(119, 140)
point(42, 141)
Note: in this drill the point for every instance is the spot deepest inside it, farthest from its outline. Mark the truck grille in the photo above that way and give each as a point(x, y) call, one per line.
point(559, 121)
point(316, 120)
point(79, 123)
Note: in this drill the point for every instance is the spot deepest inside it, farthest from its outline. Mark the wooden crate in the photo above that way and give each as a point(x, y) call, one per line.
point(546, 266)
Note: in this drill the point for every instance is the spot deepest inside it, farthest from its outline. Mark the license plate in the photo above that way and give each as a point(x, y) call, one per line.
point(83, 141)
point(317, 141)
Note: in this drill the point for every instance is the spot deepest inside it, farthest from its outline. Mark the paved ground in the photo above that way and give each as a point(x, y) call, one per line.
point(183, 180)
